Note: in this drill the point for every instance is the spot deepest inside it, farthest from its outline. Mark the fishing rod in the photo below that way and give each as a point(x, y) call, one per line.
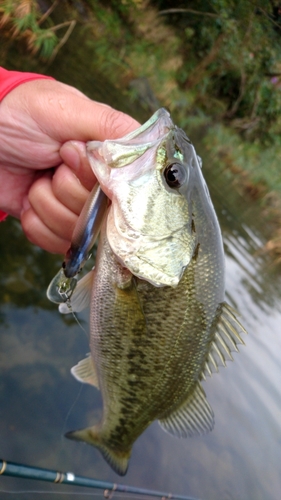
point(29, 472)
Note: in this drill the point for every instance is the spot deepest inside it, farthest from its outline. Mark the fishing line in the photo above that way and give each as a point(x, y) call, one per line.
point(68, 304)
point(69, 413)
point(79, 324)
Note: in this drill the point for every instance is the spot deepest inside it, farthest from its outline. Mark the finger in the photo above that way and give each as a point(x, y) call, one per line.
point(68, 189)
point(14, 187)
point(66, 115)
point(86, 120)
point(73, 153)
point(53, 214)
point(39, 234)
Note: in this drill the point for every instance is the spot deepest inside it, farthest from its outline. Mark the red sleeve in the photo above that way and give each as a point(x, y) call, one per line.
point(8, 81)
point(11, 79)
point(3, 215)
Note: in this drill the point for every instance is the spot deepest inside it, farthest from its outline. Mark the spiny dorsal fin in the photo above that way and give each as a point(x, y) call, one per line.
point(226, 338)
point(80, 299)
point(194, 417)
point(85, 372)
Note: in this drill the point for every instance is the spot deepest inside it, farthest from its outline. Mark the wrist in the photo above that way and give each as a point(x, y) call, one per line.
point(11, 79)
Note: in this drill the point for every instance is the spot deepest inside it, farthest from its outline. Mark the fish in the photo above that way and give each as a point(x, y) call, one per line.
point(159, 322)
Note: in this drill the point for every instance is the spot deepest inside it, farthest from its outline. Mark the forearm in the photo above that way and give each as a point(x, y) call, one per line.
point(11, 79)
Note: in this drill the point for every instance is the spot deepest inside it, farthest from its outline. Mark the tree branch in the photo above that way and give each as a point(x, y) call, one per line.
point(200, 68)
point(191, 11)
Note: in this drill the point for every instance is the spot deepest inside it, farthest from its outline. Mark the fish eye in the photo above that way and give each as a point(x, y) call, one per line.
point(175, 175)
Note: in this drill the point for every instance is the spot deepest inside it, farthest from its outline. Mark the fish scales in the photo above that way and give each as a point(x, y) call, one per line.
point(158, 320)
point(142, 358)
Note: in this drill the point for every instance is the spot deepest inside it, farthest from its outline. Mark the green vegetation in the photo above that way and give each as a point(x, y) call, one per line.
point(216, 64)
point(21, 23)
point(231, 62)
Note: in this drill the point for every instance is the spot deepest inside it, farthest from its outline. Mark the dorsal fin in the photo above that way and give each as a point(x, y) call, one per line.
point(85, 371)
point(226, 338)
point(194, 417)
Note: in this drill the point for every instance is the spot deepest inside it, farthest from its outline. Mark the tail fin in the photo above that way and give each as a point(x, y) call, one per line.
point(117, 459)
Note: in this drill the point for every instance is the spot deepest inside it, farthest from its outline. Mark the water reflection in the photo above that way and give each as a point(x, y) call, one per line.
point(40, 400)
point(25, 268)
point(245, 235)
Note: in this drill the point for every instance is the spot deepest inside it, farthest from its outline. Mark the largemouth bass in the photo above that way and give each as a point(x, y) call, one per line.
point(158, 320)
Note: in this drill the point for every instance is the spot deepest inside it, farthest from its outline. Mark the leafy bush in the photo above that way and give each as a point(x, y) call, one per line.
point(231, 60)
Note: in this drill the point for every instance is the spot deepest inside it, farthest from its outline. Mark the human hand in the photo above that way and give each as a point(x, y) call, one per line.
point(56, 199)
point(43, 180)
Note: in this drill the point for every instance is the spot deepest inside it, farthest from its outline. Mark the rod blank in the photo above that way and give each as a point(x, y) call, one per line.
point(39, 474)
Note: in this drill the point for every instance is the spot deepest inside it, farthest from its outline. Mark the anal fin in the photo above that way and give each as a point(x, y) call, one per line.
point(194, 417)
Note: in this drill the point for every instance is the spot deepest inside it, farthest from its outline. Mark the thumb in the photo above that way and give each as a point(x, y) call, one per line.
point(67, 114)
point(91, 120)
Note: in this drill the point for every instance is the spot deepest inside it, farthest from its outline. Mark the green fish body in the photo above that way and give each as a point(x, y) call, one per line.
point(158, 320)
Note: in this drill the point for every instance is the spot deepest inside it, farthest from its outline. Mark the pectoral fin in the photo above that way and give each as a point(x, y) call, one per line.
point(226, 338)
point(85, 372)
point(194, 417)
